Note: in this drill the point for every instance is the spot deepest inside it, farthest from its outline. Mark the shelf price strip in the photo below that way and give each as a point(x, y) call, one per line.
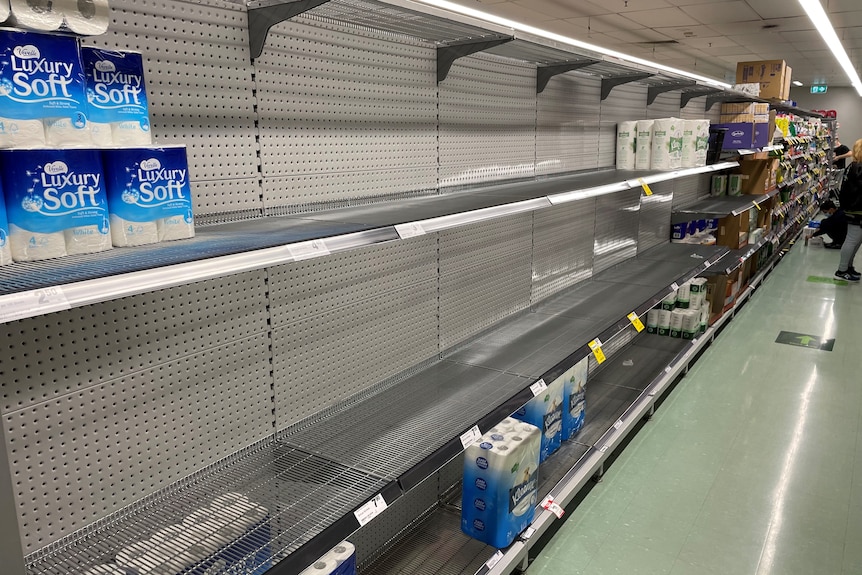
point(308, 250)
point(553, 507)
point(370, 510)
point(34, 302)
point(471, 436)
point(636, 321)
point(596, 348)
point(538, 387)
point(410, 230)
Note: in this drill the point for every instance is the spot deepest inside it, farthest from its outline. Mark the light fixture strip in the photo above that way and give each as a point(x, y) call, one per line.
point(478, 14)
point(821, 21)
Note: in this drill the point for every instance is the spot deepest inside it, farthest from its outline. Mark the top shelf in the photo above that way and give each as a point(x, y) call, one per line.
point(719, 207)
point(39, 288)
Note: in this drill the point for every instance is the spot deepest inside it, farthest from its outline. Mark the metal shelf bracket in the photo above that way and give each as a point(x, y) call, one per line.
point(687, 97)
point(446, 55)
point(264, 14)
point(545, 73)
point(654, 91)
point(609, 84)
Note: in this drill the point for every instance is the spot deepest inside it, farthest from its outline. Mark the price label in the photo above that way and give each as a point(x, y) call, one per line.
point(538, 387)
point(528, 532)
point(492, 562)
point(32, 303)
point(553, 507)
point(636, 321)
point(308, 250)
point(410, 230)
point(370, 510)
point(470, 436)
point(674, 286)
point(596, 348)
point(603, 449)
point(618, 424)
point(668, 369)
point(645, 186)
point(756, 205)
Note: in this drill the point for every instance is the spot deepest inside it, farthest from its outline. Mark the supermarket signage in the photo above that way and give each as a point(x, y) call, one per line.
point(805, 340)
point(819, 89)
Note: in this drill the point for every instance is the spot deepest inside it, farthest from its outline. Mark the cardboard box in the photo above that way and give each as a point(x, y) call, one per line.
point(722, 290)
point(758, 176)
point(739, 136)
point(737, 118)
point(772, 75)
point(732, 231)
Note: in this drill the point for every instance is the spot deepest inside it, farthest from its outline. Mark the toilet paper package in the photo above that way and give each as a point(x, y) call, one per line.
point(701, 136)
point(117, 97)
point(55, 202)
point(689, 144)
point(574, 398)
point(545, 411)
point(669, 301)
point(643, 153)
point(683, 296)
point(42, 98)
point(626, 145)
point(341, 560)
point(500, 486)
point(41, 15)
point(691, 324)
point(676, 320)
point(664, 317)
point(5, 250)
point(149, 194)
point(84, 17)
point(652, 320)
point(666, 144)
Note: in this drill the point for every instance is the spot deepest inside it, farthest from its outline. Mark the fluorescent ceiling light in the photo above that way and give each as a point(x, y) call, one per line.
point(451, 6)
point(797, 83)
point(824, 26)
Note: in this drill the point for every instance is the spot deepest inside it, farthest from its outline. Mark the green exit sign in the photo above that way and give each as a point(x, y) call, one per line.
point(819, 89)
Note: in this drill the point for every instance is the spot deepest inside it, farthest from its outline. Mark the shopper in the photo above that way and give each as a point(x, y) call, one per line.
point(851, 201)
point(834, 226)
point(842, 152)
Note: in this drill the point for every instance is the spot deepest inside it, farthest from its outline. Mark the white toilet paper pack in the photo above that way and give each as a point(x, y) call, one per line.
point(149, 194)
point(545, 411)
point(626, 145)
point(85, 17)
point(574, 398)
point(666, 153)
point(643, 149)
point(340, 560)
point(5, 250)
point(56, 202)
point(500, 487)
point(4, 10)
point(117, 97)
point(41, 78)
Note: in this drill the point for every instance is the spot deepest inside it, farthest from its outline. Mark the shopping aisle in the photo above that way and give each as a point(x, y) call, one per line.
point(754, 463)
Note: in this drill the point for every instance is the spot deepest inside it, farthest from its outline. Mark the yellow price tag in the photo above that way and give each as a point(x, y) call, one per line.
point(756, 205)
point(596, 347)
point(645, 186)
point(636, 321)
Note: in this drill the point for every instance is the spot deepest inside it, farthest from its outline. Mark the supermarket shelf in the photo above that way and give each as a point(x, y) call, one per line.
point(314, 478)
point(749, 151)
point(721, 206)
point(39, 288)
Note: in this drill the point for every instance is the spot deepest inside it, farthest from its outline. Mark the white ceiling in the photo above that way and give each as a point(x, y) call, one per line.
point(703, 36)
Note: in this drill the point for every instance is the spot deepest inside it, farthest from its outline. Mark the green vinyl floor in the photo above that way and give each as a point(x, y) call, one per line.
point(753, 465)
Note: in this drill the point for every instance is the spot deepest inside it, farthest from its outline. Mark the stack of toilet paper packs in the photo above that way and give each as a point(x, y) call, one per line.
point(84, 17)
point(663, 144)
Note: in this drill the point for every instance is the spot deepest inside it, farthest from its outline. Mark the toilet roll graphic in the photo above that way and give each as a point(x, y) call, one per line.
point(85, 17)
point(522, 496)
point(40, 15)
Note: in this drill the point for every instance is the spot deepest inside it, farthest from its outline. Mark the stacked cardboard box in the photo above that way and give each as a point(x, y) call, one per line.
point(772, 75)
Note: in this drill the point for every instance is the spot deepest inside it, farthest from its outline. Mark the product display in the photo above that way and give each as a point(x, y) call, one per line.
point(626, 145)
point(666, 153)
point(545, 411)
point(643, 150)
point(149, 195)
point(500, 483)
point(574, 398)
point(341, 560)
point(55, 202)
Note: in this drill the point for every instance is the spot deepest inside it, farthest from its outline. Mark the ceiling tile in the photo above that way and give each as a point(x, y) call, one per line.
point(735, 51)
point(709, 43)
point(606, 23)
point(689, 2)
point(518, 13)
point(849, 32)
point(721, 12)
point(681, 32)
point(841, 5)
point(776, 8)
point(802, 36)
point(756, 27)
point(644, 35)
point(562, 9)
point(662, 17)
point(631, 5)
point(565, 28)
point(847, 19)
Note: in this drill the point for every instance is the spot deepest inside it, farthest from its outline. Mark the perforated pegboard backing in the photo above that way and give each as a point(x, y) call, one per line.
point(348, 321)
point(665, 106)
point(616, 238)
point(567, 132)
point(199, 83)
point(344, 114)
point(655, 216)
point(487, 120)
point(562, 247)
point(695, 110)
point(690, 189)
point(626, 102)
point(485, 275)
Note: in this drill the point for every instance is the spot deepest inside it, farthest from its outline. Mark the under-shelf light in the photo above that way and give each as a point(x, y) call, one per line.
point(478, 14)
point(824, 26)
point(797, 83)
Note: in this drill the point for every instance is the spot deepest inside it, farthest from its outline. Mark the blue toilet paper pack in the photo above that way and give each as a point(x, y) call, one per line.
point(545, 411)
point(149, 195)
point(116, 97)
point(574, 398)
point(55, 202)
point(42, 98)
point(500, 486)
point(5, 250)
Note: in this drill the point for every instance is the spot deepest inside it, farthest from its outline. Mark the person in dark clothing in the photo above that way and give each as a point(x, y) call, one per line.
point(842, 152)
point(851, 202)
point(835, 226)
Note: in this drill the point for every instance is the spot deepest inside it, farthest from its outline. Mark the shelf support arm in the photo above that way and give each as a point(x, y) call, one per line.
point(545, 73)
point(264, 14)
point(609, 84)
point(654, 91)
point(687, 97)
point(446, 55)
